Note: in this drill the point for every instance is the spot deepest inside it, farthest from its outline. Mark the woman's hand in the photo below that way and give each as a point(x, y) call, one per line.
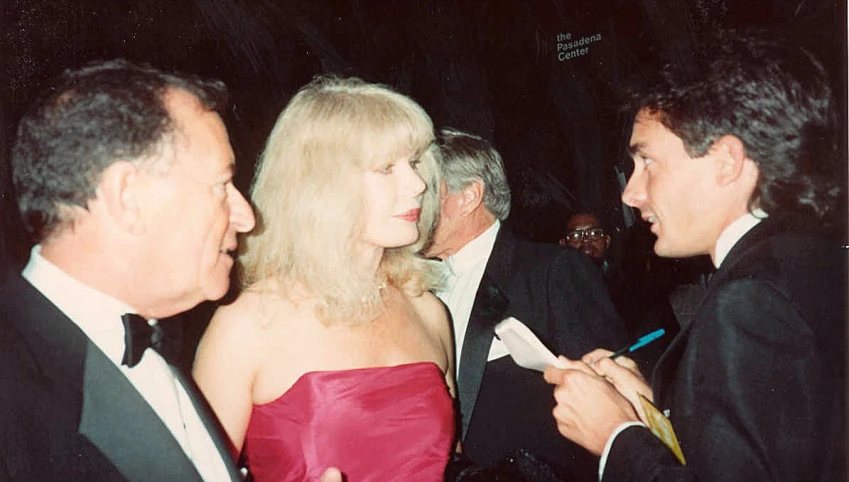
point(331, 475)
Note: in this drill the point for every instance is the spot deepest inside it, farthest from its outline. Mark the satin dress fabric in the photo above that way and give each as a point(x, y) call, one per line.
point(374, 424)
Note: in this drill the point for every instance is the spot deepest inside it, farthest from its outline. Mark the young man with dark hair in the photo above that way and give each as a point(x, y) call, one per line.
point(743, 165)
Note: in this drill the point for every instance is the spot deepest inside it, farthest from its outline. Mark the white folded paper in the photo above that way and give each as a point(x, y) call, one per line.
point(525, 348)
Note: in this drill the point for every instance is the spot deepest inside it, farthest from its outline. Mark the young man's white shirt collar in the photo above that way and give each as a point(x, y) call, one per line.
point(733, 232)
point(99, 317)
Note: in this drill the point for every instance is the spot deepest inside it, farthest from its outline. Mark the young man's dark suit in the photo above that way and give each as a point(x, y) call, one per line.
point(778, 300)
point(561, 296)
point(68, 413)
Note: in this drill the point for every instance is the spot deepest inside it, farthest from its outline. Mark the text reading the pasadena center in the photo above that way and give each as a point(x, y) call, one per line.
point(569, 48)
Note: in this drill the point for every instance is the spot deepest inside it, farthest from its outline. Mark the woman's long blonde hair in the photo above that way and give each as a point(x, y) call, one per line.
point(309, 198)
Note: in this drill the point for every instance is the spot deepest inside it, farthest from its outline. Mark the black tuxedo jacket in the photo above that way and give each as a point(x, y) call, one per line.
point(68, 413)
point(754, 384)
point(561, 296)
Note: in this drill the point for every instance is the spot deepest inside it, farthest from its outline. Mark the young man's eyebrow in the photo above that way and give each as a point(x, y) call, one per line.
point(635, 148)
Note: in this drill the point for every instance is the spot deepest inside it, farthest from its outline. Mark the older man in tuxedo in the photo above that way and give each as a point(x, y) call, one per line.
point(124, 178)
point(555, 291)
point(742, 165)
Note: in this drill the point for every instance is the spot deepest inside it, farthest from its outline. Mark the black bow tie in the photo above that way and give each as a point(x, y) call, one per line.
point(139, 335)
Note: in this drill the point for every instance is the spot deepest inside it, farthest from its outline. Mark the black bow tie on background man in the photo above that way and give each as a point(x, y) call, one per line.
point(139, 335)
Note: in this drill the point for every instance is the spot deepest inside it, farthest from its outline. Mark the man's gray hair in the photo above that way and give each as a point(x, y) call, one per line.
point(467, 158)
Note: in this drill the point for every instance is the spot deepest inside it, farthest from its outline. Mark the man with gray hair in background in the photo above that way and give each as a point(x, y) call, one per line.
point(556, 292)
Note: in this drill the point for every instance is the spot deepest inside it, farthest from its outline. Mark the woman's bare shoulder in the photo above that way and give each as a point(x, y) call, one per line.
point(432, 311)
point(250, 316)
point(428, 300)
point(243, 312)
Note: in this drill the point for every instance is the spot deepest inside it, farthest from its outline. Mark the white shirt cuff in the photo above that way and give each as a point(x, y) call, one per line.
point(609, 444)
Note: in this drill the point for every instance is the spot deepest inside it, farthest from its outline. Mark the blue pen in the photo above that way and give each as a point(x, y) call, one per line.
point(643, 341)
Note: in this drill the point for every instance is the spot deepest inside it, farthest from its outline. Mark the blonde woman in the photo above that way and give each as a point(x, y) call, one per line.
point(336, 353)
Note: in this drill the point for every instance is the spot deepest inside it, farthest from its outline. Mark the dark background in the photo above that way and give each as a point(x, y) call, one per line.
point(491, 68)
point(488, 67)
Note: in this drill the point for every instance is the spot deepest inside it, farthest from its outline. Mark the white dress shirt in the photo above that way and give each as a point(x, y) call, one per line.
point(99, 317)
point(466, 268)
point(726, 240)
point(733, 232)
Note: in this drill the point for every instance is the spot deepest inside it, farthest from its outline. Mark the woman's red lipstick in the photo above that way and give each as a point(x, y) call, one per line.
point(412, 215)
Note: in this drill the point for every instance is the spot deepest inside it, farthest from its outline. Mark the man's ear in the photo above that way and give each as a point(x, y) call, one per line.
point(730, 158)
point(119, 191)
point(472, 197)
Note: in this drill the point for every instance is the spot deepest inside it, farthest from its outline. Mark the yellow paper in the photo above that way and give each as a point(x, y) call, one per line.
point(661, 427)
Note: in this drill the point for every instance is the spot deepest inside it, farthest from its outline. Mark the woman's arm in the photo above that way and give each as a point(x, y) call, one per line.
point(224, 369)
point(436, 319)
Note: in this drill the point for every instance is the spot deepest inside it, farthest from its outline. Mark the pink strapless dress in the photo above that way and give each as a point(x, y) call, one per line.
point(374, 424)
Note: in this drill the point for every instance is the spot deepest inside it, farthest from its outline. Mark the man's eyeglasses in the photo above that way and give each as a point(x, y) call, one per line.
point(578, 235)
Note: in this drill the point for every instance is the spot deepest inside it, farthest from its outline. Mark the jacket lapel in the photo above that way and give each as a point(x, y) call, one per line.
point(490, 305)
point(667, 365)
point(113, 415)
point(489, 308)
point(119, 422)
